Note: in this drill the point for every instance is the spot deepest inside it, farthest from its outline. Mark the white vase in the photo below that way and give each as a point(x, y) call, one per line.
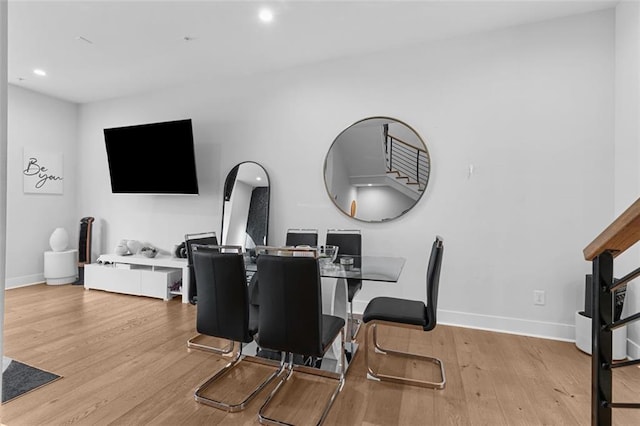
point(59, 240)
point(121, 249)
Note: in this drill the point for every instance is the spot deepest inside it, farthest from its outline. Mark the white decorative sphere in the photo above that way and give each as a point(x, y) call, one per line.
point(59, 240)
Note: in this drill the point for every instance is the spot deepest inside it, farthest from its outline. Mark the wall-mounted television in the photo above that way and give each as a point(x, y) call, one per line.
point(155, 158)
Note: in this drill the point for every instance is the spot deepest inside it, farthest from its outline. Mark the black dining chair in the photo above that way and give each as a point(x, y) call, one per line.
point(349, 242)
point(202, 238)
point(393, 312)
point(302, 237)
point(208, 238)
point(291, 321)
point(223, 311)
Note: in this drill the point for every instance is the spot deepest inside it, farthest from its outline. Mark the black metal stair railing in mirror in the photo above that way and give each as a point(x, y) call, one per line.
point(406, 162)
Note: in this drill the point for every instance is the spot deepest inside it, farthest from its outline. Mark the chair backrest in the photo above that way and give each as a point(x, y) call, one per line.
point(208, 238)
point(349, 242)
point(203, 238)
point(433, 282)
point(254, 297)
point(302, 237)
point(290, 318)
point(223, 297)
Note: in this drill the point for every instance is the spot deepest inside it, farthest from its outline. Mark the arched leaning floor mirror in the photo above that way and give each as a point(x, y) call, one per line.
point(377, 169)
point(245, 211)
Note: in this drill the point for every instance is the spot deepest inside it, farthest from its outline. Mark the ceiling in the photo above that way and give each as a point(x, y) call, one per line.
point(93, 50)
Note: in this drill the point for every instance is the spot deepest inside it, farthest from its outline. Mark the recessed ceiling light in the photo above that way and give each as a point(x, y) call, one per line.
point(266, 15)
point(258, 178)
point(39, 72)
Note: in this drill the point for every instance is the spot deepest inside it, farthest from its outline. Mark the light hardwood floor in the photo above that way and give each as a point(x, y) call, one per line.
point(124, 361)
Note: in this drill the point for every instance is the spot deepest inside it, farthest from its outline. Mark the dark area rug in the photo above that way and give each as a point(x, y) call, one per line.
point(19, 378)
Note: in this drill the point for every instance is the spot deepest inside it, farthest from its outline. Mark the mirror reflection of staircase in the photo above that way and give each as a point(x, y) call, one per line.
point(386, 153)
point(407, 165)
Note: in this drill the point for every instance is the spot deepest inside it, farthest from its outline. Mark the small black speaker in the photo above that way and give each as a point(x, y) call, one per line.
point(84, 247)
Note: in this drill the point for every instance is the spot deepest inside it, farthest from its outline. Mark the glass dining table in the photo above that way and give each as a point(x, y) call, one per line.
point(335, 295)
point(334, 290)
point(366, 268)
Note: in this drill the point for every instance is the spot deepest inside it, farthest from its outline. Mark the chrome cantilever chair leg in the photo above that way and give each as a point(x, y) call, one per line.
point(313, 371)
point(354, 324)
point(230, 407)
point(376, 375)
point(193, 343)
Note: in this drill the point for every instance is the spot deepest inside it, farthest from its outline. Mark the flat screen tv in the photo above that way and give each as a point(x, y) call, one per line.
point(155, 158)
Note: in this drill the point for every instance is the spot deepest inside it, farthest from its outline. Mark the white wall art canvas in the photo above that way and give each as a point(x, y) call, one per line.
point(42, 172)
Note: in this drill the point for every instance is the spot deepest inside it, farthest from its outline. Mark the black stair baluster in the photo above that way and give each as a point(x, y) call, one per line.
point(601, 347)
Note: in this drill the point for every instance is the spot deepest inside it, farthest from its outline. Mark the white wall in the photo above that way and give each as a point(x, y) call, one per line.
point(337, 182)
point(38, 122)
point(3, 163)
point(161, 220)
point(531, 107)
point(239, 206)
point(627, 145)
point(381, 202)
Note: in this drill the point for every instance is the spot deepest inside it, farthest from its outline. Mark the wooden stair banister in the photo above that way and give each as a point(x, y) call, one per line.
point(620, 235)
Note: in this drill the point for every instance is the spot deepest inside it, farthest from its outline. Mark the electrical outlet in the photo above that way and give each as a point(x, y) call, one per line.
point(538, 297)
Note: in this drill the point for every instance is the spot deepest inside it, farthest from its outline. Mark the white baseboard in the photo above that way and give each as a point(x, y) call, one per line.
point(546, 330)
point(543, 329)
point(24, 281)
point(633, 349)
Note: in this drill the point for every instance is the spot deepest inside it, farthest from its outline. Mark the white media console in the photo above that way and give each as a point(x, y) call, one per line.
point(138, 275)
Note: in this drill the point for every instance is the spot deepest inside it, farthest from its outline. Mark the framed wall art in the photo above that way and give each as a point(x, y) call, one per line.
point(42, 171)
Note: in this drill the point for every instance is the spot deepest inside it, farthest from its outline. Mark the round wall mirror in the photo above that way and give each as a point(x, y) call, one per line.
point(245, 211)
point(377, 169)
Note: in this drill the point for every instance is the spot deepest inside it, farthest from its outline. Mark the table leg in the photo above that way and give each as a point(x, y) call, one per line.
point(334, 302)
point(185, 284)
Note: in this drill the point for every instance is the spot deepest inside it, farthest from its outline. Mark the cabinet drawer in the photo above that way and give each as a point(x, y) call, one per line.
point(109, 278)
point(156, 283)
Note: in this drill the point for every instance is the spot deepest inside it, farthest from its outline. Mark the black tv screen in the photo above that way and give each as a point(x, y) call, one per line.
point(156, 158)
